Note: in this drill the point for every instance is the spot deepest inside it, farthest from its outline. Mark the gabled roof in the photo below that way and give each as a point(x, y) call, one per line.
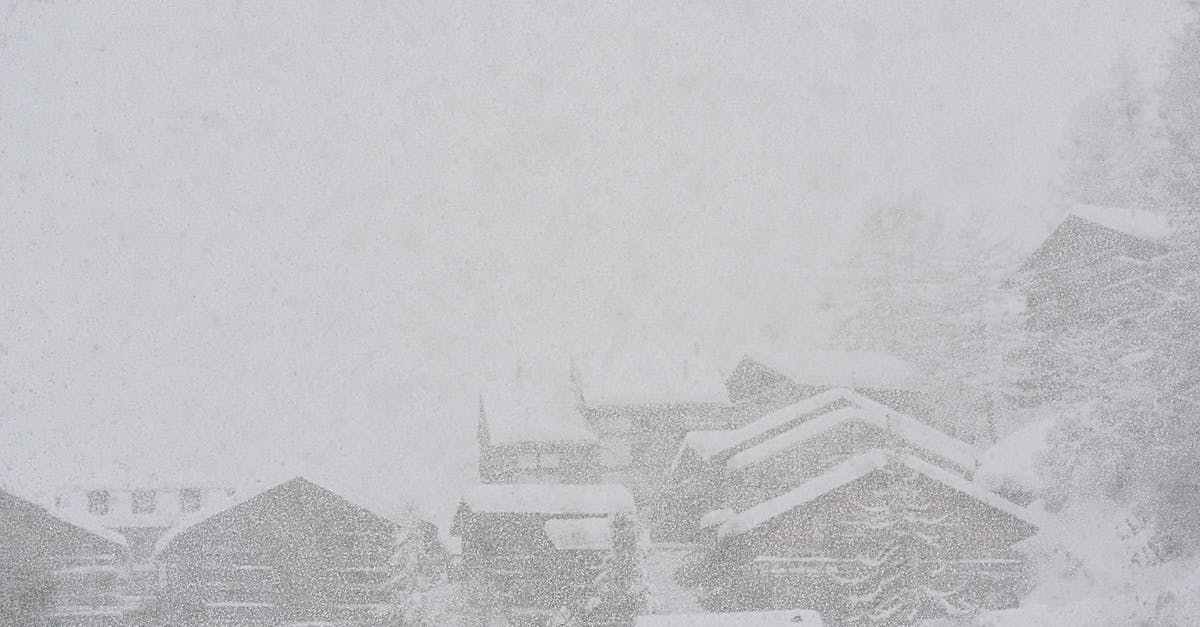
point(349, 495)
point(536, 498)
point(708, 444)
point(1137, 223)
point(87, 524)
point(839, 368)
point(868, 412)
point(829, 413)
point(854, 469)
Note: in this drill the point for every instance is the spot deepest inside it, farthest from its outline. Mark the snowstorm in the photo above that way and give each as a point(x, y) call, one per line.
point(577, 314)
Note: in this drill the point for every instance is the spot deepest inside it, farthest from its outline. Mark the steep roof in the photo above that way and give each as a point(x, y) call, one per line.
point(827, 413)
point(869, 412)
point(837, 368)
point(529, 498)
point(258, 490)
point(1137, 223)
point(854, 469)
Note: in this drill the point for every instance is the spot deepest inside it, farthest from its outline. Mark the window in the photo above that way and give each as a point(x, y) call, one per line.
point(527, 460)
point(143, 501)
point(98, 502)
point(548, 460)
point(189, 499)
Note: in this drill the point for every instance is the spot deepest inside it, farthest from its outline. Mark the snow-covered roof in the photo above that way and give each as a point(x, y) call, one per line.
point(852, 369)
point(855, 468)
point(862, 409)
point(591, 499)
point(534, 407)
point(647, 378)
point(82, 522)
point(803, 618)
point(353, 495)
point(579, 534)
point(1012, 462)
point(1137, 223)
point(710, 443)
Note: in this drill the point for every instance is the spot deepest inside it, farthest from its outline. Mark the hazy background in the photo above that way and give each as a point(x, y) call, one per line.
point(236, 238)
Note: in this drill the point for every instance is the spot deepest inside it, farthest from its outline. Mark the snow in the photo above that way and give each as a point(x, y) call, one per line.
point(716, 517)
point(710, 443)
point(1013, 461)
point(854, 469)
point(852, 369)
point(1138, 223)
point(804, 618)
point(587, 534)
point(591, 499)
point(534, 407)
point(642, 377)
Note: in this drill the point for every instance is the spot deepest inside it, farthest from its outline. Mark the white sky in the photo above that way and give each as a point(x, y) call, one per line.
point(234, 238)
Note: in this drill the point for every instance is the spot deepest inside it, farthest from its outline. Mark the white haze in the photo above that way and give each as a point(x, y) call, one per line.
point(236, 238)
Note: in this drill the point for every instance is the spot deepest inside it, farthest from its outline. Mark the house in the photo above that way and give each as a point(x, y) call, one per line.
point(640, 406)
point(141, 515)
point(59, 568)
point(535, 433)
point(295, 552)
point(527, 548)
point(780, 507)
point(1089, 268)
point(879, 517)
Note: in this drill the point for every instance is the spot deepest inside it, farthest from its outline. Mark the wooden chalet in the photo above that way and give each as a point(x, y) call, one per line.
point(527, 548)
point(535, 436)
point(59, 569)
point(1088, 269)
point(295, 553)
point(776, 505)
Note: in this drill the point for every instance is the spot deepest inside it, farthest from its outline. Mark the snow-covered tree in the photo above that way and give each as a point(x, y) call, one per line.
point(619, 593)
point(417, 587)
point(899, 574)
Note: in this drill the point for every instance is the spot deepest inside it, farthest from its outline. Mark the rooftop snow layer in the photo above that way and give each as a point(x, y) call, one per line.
point(861, 369)
point(710, 443)
point(651, 378)
point(534, 408)
point(591, 499)
point(579, 534)
point(853, 469)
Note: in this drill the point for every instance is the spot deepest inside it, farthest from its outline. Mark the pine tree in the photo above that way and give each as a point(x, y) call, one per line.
point(417, 585)
point(897, 581)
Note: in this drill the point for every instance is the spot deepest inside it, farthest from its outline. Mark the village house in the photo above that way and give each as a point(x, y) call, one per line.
point(527, 548)
point(777, 506)
point(295, 552)
point(1088, 268)
point(59, 569)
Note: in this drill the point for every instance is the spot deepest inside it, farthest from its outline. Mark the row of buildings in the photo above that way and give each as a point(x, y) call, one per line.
point(774, 483)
